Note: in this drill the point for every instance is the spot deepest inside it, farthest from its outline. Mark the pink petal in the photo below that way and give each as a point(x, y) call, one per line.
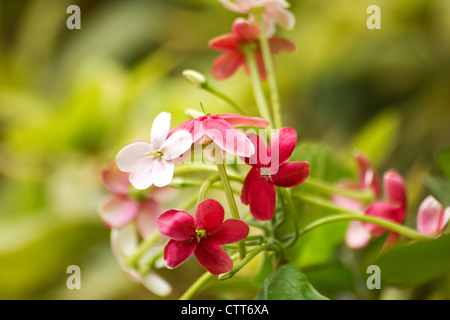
point(160, 129)
point(445, 220)
point(261, 156)
point(177, 252)
point(178, 143)
point(147, 217)
point(394, 188)
point(162, 173)
point(239, 6)
point(237, 120)
point(128, 158)
point(209, 215)
point(262, 199)
point(382, 210)
point(194, 127)
point(176, 224)
point(225, 65)
point(357, 235)
point(429, 216)
point(228, 138)
point(282, 17)
point(252, 175)
point(232, 230)
point(141, 177)
point(291, 174)
point(213, 258)
point(117, 211)
point(278, 44)
point(115, 180)
point(347, 203)
point(245, 30)
point(282, 145)
point(226, 42)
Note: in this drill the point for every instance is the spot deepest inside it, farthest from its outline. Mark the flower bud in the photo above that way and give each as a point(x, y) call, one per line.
point(194, 77)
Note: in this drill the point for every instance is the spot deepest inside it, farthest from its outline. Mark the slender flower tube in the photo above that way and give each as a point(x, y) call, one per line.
point(201, 235)
point(432, 218)
point(270, 168)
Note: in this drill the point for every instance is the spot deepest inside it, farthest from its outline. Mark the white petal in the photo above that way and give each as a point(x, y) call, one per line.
point(128, 158)
point(357, 236)
point(176, 144)
point(141, 177)
point(162, 172)
point(160, 129)
point(157, 285)
point(124, 241)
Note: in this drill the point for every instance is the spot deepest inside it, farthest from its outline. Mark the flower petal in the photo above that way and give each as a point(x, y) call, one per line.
point(232, 230)
point(162, 173)
point(160, 129)
point(261, 156)
point(178, 143)
point(225, 65)
point(429, 216)
point(176, 224)
point(117, 211)
point(177, 252)
point(245, 30)
point(357, 235)
point(261, 198)
point(278, 44)
point(226, 42)
point(239, 6)
point(282, 17)
point(213, 258)
point(252, 175)
point(115, 180)
point(394, 188)
point(237, 120)
point(291, 174)
point(128, 158)
point(282, 145)
point(382, 210)
point(141, 177)
point(147, 217)
point(209, 215)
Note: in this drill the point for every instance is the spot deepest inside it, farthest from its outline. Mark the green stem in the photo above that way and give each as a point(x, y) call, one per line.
point(206, 86)
point(143, 248)
point(256, 84)
point(365, 196)
point(196, 286)
point(189, 168)
point(206, 186)
point(290, 209)
point(229, 195)
point(252, 254)
point(325, 203)
point(268, 63)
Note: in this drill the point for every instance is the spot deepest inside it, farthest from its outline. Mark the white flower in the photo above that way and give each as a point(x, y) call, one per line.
point(274, 12)
point(154, 163)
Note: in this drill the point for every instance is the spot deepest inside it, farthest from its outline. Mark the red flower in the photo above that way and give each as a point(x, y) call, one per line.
point(201, 235)
point(269, 168)
point(243, 33)
point(221, 129)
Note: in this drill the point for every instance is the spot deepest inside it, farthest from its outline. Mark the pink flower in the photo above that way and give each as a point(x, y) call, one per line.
point(394, 208)
point(221, 129)
point(201, 235)
point(432, 218)
point(273, 12)
point(154, 163)
point(120, 208)
point(244, 33)
point(270, 168)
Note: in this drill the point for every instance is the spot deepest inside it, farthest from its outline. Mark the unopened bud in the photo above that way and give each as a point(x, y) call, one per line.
point(194, 77)
point(192, 114)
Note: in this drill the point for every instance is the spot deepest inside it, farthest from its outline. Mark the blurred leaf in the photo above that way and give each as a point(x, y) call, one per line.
point(440, 188)
point(378, 137)
point(443, 162)
point(416, 263)
point(288, 283)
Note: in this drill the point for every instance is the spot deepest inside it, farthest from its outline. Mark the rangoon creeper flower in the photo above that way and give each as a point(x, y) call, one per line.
point(221, 130)
point(270, 168)
point(432, 218)
point(125, 205)
point(273, 12)
point(154, 163)
point(244, 33)
point(201, 235)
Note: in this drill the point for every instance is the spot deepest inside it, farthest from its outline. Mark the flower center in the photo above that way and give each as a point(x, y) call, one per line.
point(265, 172)
point(200, 233)
point(156, 154)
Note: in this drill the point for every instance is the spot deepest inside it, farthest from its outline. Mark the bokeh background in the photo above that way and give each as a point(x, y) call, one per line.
point(70, 99)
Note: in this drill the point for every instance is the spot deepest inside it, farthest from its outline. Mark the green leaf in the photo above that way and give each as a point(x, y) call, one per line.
point(288, 283)
point(443, 161)
point(417, 263)
point(440, 188)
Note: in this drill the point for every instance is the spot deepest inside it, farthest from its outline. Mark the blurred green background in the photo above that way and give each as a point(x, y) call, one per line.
point(70, 99)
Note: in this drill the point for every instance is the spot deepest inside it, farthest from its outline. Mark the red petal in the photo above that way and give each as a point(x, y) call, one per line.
point(226, 42)
point(394, 188)
point(209, 215)
point(252, 175)
point(245, 30)
point(213, 258)
point(177, 252)
point(262, 199)
point(176, 224)
point(261, 156)
point(282, 145)
point(277, 44)
point(236, 120)
point(291, 174)
point(225, 65)
point(382, 210)
point(194, 127)
point(232, 230)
